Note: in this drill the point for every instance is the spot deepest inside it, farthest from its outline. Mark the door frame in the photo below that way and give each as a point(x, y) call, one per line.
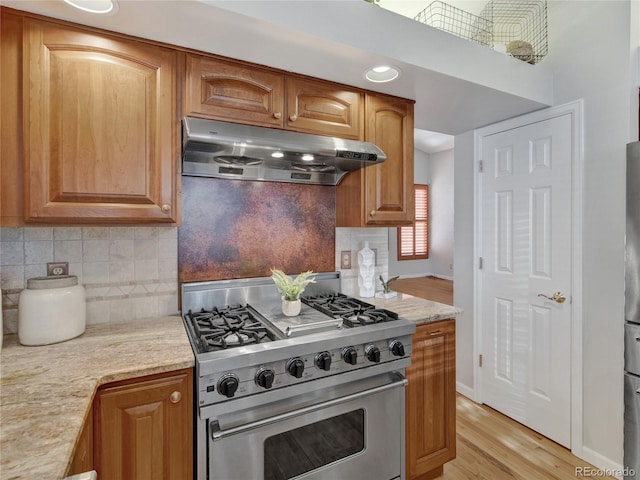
point(575, 109)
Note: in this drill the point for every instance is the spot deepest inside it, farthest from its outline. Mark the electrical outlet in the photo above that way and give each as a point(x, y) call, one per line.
point(56, 269)
point(345, 260)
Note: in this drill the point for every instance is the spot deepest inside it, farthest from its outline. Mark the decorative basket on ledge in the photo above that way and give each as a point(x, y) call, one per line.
point(520, 25)
point(453, 20)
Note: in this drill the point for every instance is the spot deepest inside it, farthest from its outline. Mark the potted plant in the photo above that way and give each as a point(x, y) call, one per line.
point(290, 289)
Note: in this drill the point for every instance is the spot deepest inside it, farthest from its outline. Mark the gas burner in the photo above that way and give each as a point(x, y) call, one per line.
point(228, 327)
point(363, 317)
point(354, 312)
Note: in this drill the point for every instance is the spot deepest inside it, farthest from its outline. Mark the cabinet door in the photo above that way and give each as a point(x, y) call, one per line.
point(430, 400)
point(323, 109)
point(82, 460)
point(143, 431)
point(233, 92)
point(100, 127)
point(389, 185)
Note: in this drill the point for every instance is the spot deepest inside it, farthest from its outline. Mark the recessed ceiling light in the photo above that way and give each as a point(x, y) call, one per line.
point(307, 157)
point(95, 6)
point(382, 73)
point(277, 154)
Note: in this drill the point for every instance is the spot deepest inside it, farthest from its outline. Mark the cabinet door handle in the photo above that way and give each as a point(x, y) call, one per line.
point(293, 118)
point(165, 208)
point(372, 213)
point(175, 397)
point(437, 332)
point(277, 115)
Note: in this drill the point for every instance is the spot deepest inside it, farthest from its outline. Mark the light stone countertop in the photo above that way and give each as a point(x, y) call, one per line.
point(415, 309)
point(46, 391)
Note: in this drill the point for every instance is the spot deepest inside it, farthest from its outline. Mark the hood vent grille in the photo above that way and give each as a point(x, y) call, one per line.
point(242, 152)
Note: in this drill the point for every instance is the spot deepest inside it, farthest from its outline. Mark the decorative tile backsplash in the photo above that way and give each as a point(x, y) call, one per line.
point(128, 272)
point(352, 240)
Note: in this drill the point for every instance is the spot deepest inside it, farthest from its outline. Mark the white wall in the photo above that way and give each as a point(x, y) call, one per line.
point(463, 261)
point(441, 214)
point(436, 170)
point(590, 55)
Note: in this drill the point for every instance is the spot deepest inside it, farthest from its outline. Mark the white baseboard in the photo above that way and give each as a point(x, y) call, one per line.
point(600, 462)
point(465, 390)
point(443, 277)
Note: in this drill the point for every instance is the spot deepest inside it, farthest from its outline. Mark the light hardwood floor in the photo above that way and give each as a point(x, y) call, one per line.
point(489, 445)
point(431, 288)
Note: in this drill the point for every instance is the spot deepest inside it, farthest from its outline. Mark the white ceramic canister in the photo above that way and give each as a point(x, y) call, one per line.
point(51, 310)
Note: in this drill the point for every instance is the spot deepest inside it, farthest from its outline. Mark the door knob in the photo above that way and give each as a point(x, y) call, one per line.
point(556, 297)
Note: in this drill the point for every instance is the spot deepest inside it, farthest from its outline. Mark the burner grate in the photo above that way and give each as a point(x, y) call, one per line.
point(354, 312)
point(368, 317)
point(229, 327)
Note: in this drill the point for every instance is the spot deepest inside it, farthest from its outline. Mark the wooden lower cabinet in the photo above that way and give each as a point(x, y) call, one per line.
point(82, 460)
point(144, 430)
point(430, 401)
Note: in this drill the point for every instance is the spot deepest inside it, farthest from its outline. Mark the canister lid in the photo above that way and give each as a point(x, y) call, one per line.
point(58, 281)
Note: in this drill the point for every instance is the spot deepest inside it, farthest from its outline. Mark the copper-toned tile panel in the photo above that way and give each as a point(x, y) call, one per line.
point(240, 229)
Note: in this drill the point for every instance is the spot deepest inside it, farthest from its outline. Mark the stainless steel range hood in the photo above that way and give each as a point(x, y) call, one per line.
point(243, 152)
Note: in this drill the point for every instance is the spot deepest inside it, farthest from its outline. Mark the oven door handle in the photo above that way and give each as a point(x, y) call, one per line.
point(217, 433)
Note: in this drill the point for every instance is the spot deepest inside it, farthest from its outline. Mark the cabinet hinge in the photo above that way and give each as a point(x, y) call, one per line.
point(480, 166)
point(480, 360)
point(480, 263)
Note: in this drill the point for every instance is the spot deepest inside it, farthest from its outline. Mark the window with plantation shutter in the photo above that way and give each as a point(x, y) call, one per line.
point(413, 242)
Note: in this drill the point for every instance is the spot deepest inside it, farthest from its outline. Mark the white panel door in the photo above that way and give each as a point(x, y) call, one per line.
point(525, 219)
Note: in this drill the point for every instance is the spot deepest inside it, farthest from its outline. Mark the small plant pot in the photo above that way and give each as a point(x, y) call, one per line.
point(291, 308)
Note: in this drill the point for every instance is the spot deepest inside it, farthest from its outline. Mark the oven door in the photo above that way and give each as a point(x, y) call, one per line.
point(359, 434)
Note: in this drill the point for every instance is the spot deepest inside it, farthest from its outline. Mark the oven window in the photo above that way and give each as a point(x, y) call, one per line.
point(295, 452)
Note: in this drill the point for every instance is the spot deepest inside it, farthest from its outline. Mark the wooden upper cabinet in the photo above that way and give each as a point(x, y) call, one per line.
point(382, 194)
point(144, 430)
point(430, 400)
point(323, 108)
point(234, 92)
point(100, 127)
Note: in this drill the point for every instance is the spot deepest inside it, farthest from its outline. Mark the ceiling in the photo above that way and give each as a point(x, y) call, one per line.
point(425, 140)
point(458, 85)
point(432, 142)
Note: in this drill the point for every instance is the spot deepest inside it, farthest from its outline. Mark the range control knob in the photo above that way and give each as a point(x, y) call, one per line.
point(323, 361)
point(350, 355)
point(265, 377)
point(228, 385)
point(397, 348)
point(373, 353)
point(295, 367)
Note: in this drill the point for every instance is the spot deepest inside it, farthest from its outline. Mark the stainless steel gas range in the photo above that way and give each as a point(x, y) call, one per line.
point(316, 396)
